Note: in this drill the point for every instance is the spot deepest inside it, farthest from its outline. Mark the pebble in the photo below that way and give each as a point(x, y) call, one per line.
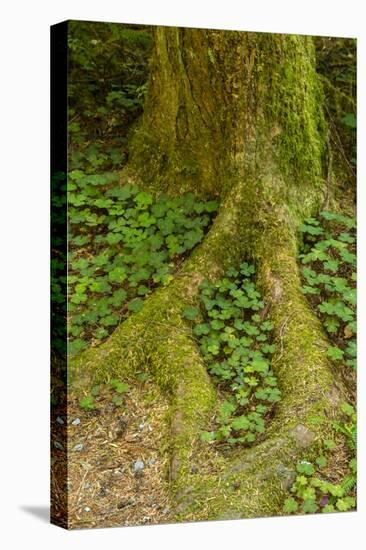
point(87, 509)
point(152, 461)
point(76, 422)
point(78, 447)
point(138, 466)
point(58, 445)
point(141, 426)
point(59, 420)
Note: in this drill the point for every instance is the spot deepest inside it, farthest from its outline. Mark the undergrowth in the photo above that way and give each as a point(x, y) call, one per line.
point(235, 340)
point(314, 489)
point(122, 245)
point(329, 270)
point(108, 71)
point(328, 260)
point(122, 242)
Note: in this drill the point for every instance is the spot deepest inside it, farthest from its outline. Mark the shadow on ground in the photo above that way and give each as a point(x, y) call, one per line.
point(40, 512)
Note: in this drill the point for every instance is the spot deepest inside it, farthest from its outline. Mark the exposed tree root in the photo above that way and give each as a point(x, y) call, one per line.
point(252, 482)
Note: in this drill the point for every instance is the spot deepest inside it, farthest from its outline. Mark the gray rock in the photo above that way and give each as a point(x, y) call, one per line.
point(78, 447)
point(76, 422)
point(59, 420)
point(138, 466)
point(58, 445)
point(286, 475)
point(302, 436)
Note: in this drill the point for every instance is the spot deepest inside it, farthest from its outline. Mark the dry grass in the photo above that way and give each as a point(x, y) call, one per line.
point(102, 489)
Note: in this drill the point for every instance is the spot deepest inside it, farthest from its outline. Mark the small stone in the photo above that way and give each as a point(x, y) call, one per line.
point(103, 492)
point(58, 445)
point(78, 447)
point(123, 503)
point(149, 428)
point(59, 420)
point(141, 426)
point(302, 435)
point(152, 461)
point(76, 422)
point(138, 466)
point(87, 509)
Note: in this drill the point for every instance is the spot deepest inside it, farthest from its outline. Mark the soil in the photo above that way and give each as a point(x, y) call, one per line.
point(102, 488)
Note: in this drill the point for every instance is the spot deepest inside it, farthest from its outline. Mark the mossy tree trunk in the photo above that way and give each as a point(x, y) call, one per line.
point(237, 116)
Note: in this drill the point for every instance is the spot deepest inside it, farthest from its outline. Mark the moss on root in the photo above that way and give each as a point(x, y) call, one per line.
point(251, 132)
point(159, 338)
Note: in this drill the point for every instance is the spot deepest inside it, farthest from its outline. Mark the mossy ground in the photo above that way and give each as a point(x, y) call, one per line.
point(268, 169)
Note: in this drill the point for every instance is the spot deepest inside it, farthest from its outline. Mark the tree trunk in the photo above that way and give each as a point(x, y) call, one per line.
point(237, 116)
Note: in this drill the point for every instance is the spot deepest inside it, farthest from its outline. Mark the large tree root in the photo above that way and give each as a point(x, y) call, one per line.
point(252, 482)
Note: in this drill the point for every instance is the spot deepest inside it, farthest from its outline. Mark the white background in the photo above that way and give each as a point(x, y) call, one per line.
point(24, 218)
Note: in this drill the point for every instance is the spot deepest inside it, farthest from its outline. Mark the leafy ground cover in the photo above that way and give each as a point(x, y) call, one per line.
point(318, 486)
point(328, 259)
point(122, 244)
point(108, 70)
point(235, 340)
point(329, 270)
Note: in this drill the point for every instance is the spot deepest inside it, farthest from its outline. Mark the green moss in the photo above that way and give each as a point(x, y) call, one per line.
point(294, 106)
point(158, 338)
point(256, 110)
point(250, 131)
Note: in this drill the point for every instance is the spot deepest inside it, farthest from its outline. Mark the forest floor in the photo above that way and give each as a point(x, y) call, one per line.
point(104, 444)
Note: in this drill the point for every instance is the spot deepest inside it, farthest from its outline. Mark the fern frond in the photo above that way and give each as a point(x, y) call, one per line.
point(348, 483)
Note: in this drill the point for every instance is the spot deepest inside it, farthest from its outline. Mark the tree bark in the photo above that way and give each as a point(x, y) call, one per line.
point(237, 116)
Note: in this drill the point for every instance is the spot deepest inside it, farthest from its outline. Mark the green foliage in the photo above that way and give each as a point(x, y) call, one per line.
point(108, 70)
point(123, 243)
point(235, 342)
point(321, 461)
point(336, 60)
point(312, 489)
point(87, 403)
point(133, 245)
point(120, 388)
point(290, 506)
point(190, 313)
point(329, 274)
point(348, 427)
point(58, 264)
point(305, 468)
